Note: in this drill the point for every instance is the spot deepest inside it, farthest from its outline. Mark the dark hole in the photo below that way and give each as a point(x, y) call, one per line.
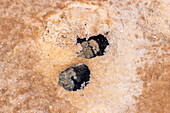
point(75, 77)
point(81, 40)
point(100, 40)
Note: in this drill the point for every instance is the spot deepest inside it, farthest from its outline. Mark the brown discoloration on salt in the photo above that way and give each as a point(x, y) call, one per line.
point(48, 14)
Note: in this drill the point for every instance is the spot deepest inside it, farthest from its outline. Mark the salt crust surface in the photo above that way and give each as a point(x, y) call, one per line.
point(114, 73)
point(38, 41)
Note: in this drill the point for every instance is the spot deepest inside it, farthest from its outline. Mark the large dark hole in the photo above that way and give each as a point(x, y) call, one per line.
point(75, 77)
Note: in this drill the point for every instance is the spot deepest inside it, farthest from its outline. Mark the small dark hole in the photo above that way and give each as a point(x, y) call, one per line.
point(75, 77)
point(101, 41)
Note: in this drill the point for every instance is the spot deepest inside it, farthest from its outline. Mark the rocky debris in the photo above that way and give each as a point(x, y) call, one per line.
point(75, 77)
point(94, 46)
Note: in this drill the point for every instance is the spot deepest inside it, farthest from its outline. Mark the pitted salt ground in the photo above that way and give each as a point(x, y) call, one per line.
point(114, 81)
point(138, 32)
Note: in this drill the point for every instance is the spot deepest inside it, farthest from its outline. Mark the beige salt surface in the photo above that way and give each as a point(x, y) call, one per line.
point(110, 88)
point(39, 41)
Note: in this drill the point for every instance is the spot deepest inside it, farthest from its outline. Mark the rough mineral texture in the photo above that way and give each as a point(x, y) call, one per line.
point(38, 41)
point(94, 46)
point(75, 77)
